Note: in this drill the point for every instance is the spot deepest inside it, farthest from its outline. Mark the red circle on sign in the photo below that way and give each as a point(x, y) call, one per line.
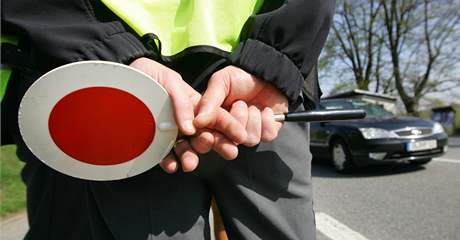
point(101, 125)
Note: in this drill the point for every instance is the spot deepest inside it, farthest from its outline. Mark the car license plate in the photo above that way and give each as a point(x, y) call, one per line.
point(421, 145)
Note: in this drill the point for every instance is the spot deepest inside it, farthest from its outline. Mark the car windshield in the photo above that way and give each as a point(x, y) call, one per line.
point(372, 110)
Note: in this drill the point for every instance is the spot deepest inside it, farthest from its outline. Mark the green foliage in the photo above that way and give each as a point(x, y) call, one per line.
point(12, 189)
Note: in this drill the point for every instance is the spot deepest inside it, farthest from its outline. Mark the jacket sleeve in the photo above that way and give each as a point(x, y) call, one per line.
point(282, 45)
point(56, 32)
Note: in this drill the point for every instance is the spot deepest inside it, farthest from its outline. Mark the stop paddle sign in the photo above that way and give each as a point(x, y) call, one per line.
point(97, 120)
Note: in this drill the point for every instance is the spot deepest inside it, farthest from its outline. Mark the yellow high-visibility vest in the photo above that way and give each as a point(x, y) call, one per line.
point(180, 24)
point(5, 70)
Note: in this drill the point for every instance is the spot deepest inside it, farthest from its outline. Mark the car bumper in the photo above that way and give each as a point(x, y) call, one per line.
point(379, 151)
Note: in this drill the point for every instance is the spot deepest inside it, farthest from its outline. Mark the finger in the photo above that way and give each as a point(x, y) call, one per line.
point(169, 164)
point(240, 112)
point(270, 127)
point(224, 147)
point(188, 157)
point(226, 124)
point(203, 141)
point(183, 107)
point(211, 100)
point(253, 127)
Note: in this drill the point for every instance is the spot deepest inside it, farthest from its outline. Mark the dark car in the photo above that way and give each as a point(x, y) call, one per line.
point(379, 138)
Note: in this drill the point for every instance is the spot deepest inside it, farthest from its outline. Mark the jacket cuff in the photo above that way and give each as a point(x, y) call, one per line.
point(271, 65)
point(116, 46)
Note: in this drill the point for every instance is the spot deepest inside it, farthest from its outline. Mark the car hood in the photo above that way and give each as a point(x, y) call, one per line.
point(389, 123)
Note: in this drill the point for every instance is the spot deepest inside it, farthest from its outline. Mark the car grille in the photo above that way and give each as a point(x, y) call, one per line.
point(414, 132)
point(398, 155)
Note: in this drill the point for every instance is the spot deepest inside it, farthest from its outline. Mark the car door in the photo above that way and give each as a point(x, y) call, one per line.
point(319, 135)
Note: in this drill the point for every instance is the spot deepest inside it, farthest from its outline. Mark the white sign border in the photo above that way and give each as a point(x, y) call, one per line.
point(43, 95)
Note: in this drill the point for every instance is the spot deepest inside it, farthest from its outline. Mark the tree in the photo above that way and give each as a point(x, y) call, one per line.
point(357, 42)
point(404, 47)
point(342, 87)
point(421, 38)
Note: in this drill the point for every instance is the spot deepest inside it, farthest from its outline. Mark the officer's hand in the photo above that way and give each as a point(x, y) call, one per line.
point(184, 99)
point(252, 101)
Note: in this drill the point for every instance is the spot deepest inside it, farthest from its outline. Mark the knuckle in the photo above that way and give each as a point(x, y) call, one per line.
point(169, 78)
point(171, 75)
point(217, 76)
point(205, 100)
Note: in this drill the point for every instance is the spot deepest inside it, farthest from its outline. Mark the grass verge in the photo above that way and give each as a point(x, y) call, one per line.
point(12, 189)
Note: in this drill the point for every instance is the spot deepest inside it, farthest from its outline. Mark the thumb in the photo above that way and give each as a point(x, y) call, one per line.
point(177, 89)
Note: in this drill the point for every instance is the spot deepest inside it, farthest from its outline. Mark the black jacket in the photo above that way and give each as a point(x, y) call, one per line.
point(280, 44)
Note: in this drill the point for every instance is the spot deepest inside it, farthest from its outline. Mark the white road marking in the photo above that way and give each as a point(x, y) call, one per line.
point(334, 229)
point(446, 160)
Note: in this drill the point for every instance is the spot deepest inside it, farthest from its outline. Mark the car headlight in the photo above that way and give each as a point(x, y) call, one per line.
point(437, 128)
point(374, 133)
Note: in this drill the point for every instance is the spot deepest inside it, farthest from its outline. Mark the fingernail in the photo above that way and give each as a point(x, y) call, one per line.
point(188, 125)
point(173, 166)
point(170, 166)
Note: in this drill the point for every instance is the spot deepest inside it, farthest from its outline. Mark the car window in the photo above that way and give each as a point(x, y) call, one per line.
point(376, 111)
point(372, 110)
point(334, 105)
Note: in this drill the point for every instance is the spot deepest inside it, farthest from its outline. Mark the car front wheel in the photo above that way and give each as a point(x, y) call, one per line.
point(341, 157)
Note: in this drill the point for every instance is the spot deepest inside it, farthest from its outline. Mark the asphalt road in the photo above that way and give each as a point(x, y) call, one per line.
point(387, 202)
point(393, 202)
